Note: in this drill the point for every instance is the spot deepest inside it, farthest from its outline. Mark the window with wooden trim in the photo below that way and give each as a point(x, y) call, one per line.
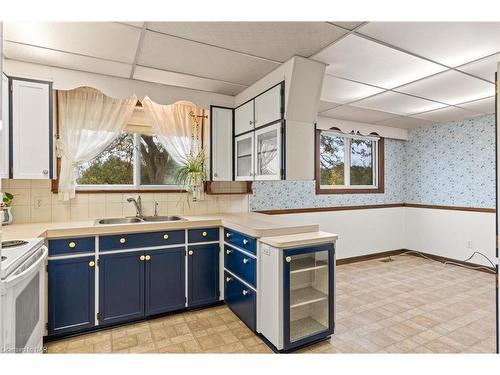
point(349, 163)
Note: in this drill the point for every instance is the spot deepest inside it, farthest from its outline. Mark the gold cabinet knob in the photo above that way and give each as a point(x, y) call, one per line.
point(190, 252)
point(245, 292)
point(204, 234)
point(142, 258)
point(123, 240)
point(288, 259)
point(72, 244)
point(245, 260)
point(148, 257)
point(91, 263)
point(229, 251)
point(245, 242)
point(228, 235)
point(165, 236)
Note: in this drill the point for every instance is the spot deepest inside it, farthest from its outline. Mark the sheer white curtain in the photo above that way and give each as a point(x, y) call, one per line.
point(88, 122)
point(175, 127)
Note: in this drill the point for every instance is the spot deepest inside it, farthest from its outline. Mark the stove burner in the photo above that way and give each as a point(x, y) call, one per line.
point(13, 243)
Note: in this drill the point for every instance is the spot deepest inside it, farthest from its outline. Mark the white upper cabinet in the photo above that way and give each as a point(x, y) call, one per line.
point(4, 130)
point(243, 118)
point(31, 129)
point(268, 107)
point(244, 157)
point(268, 152)
point(221, 120)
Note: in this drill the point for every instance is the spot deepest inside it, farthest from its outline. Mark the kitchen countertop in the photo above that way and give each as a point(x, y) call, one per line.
point(299, 239)
point(254, 224)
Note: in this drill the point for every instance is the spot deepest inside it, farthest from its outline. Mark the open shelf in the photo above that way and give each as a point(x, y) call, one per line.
point(306, 264)
point(305, 327)
point(305, 296)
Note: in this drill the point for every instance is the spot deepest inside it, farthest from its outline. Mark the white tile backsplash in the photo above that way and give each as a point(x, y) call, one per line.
point(34, 202)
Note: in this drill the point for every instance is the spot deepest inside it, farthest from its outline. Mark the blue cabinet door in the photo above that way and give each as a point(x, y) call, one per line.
point(241, 299)
point(203, 271)
point(71, 295)
point(121, 287)
point(165, 280)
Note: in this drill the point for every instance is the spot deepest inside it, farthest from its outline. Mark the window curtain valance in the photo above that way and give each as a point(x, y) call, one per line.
point(89, 121)
point(177, 126)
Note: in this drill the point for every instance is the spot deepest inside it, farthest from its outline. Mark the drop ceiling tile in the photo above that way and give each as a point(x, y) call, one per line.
point(404, 122)
point(365, 61)
point(446, 114)
point(484, 68)
point(107, 40)
point(486, 105)
point(449, 43)
point(343, 91)
point(178, 55)
point(183, 80)
point(397, 103)
point(43, 56)
point(325, 106)
point(450, 87)
point(351, 25)
point(277, 41)
point(347, 112)
point(134, 23)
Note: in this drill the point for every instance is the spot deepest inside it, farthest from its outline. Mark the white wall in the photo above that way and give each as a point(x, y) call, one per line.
point(437, 232)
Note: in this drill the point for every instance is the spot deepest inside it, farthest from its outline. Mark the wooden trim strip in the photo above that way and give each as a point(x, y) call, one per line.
point(362, 258)
point(373, 206)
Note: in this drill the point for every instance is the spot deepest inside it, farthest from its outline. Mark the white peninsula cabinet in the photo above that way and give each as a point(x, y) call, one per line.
point(31, 128)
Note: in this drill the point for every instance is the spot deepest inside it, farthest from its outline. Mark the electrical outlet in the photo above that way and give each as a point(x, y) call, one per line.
point(469, 244)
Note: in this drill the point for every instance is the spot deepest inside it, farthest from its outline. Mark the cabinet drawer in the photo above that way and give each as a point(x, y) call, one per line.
point(240, 299)
point(240, 264)
point(140, 240)
point(203, 235)
point(239, 239)
point(72, 245)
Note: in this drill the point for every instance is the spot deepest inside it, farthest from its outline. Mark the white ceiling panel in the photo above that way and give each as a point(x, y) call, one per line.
point(50, 57)
point(277, 41)
point(486, 105)
point(365, 61)
point(343, 91)
point(134, 23)
point(450, 87)
point(351, 25)
point(347, 112)
point(446, 114)
point(398, 103)
point(177, 79)
point(325, 106)
point(449, 43)
point(405, 122)
point(182, 56)
point(484, 68)
point(107, 40)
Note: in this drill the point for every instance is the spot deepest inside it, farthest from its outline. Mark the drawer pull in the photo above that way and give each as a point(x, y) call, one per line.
point(228, 279)
point(123, 240)
point(245, 242)
point(228, 252)
point(190, 252)
point(142, 258)
point(148, 257)
point(245, 292)
point(288, 259)
point(165, 236)
point(91, 263)
point(72, 245)
point(228, 235)
point(204, 234)
point(245, 260)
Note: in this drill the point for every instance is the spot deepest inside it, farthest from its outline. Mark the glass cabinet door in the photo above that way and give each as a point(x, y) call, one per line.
point(308, 294)
point(267, 152)
point(244, 157)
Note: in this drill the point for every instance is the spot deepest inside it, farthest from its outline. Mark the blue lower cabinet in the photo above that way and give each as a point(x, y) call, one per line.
point(121, 287)
point(165, 280)
point(241, 299)
point(203, 271)
point(241, 264)
point(71, 295)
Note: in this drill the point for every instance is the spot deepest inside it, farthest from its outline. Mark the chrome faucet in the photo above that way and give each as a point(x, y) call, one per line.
point(138, 205)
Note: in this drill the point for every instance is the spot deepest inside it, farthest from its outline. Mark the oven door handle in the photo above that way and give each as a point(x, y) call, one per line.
point(41, 258)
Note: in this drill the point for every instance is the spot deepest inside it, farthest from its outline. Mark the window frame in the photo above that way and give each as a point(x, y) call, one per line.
point(378, 170)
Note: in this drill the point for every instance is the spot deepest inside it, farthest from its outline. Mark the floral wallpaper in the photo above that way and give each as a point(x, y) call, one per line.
point(451, 164)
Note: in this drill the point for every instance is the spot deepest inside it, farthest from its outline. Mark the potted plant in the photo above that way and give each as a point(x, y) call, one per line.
point(191, 174)
point(6, 208)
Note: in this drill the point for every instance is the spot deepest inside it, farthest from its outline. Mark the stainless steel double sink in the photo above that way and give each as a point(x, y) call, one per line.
point(132, 220)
